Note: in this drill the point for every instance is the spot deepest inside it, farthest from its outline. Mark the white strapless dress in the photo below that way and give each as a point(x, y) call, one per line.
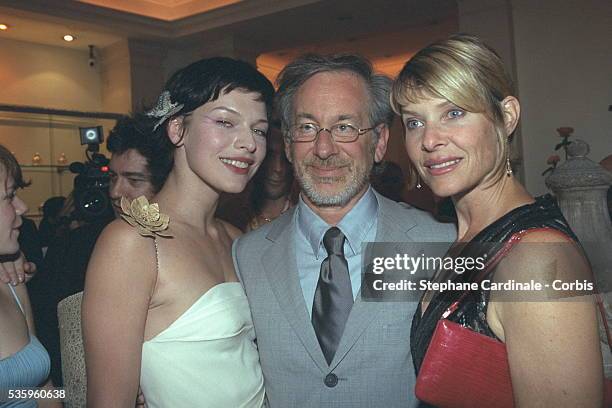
point(207, 357)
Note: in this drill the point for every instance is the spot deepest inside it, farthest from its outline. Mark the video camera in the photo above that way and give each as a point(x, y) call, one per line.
point(91, 197)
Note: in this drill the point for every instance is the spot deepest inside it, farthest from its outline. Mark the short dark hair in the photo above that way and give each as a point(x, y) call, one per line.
point(136, 132)
point(293, 76)
point(11, 168)
point(204, 80)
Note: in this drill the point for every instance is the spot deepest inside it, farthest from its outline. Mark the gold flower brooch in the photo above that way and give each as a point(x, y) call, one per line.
point(145, 217)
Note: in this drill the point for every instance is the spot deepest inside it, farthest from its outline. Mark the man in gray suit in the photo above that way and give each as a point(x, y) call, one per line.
point(320, 344)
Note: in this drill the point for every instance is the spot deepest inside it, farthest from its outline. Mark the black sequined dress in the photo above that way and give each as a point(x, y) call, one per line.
point(472, 309)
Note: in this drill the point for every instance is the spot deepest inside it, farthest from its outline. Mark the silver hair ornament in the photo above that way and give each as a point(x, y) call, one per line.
point(164, 109)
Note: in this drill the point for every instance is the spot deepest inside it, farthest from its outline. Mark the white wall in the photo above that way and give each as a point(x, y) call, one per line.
point(563, 55)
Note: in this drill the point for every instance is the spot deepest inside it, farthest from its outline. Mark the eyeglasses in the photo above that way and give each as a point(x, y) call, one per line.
point(341, 132)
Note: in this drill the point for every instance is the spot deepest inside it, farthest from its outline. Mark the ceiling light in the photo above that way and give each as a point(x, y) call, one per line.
point(69, 38)
point(4, 27)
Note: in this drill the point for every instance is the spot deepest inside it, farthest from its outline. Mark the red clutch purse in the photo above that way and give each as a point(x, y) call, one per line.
point(464, 369)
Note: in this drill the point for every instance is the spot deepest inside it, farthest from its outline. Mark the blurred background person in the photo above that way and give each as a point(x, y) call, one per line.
point(137, 166)
point(388, 179)
point(272, 190)
point(50, 220)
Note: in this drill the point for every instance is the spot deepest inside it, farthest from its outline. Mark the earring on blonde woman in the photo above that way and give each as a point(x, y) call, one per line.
point(508, 166)
point(418, 185)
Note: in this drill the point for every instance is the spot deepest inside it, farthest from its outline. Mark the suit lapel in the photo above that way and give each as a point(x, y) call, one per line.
point(280, 265)
point(390, 228)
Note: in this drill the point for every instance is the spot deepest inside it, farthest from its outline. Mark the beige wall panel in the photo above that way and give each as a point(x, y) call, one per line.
point(50, 77)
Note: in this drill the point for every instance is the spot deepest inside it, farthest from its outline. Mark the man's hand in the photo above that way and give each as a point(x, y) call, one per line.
point(17, 271)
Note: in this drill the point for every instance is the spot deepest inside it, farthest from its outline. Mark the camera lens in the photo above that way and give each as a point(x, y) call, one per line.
point(94, 202)
point(91, 134)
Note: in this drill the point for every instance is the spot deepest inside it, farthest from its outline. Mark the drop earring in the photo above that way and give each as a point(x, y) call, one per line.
point(508, 166)
point(418, 185)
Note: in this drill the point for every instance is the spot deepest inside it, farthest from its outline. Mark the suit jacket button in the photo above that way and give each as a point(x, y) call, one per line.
point(331, 380)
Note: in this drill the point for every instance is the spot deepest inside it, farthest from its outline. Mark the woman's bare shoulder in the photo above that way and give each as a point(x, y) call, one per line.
point(121, 235)
point(544, 256)
point(121, 248)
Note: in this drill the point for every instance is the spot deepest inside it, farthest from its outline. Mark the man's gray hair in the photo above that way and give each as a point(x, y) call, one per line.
point(303, 68)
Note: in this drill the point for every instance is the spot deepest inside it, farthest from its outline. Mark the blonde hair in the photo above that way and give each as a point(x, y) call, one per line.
point(465, 71)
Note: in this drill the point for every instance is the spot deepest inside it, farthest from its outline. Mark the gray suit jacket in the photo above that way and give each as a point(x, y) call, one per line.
point(372, 366)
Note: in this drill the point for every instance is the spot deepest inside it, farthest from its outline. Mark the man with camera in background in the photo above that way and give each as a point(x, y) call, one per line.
point(137, 167)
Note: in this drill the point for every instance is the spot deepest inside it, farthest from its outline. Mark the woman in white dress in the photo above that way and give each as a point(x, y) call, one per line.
point(168, 313)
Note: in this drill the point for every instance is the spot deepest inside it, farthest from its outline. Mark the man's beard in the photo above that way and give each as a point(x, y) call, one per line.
point(354, 182)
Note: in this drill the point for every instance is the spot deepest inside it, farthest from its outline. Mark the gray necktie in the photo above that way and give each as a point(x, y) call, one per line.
point(333, 298)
